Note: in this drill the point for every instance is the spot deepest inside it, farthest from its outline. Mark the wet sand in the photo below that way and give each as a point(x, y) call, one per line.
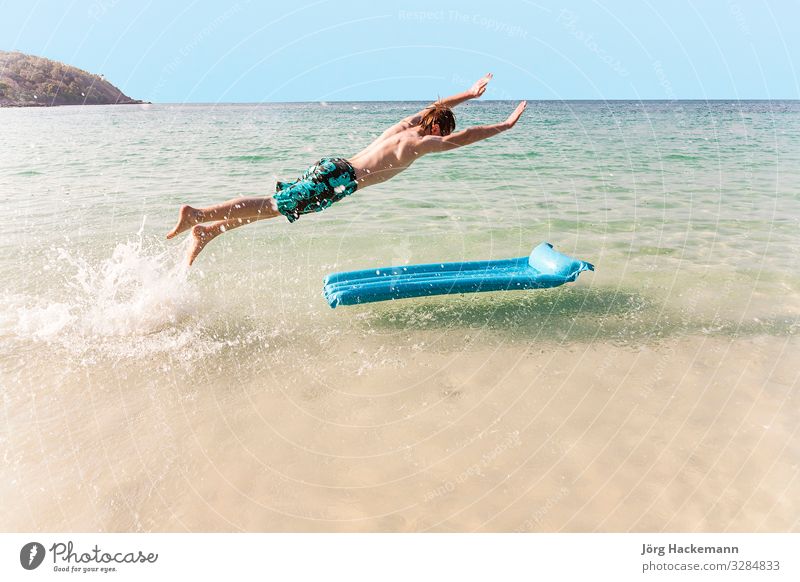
point(690, 434)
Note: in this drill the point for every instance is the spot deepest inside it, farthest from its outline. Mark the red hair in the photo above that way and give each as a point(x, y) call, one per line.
point(441, 115)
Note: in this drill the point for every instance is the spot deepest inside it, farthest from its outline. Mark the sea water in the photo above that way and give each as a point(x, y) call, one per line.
point(659, 392)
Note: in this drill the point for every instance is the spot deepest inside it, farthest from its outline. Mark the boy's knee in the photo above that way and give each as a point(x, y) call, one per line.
point(270, 206)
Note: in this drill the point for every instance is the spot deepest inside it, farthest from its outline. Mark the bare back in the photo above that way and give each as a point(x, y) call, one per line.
point(387, 156)
point(399, 146)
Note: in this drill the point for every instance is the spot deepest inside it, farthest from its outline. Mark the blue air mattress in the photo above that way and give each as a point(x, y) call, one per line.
point(545, 267)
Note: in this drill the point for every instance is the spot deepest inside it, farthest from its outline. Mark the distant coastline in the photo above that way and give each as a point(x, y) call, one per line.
point(31, 81)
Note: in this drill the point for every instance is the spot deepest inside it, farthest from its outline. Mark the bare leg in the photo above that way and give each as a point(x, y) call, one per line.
point(202, 234)
point(236, 209)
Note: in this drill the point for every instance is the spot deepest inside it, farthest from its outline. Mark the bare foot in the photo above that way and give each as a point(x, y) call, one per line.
point(187, 217)
point(202, 235)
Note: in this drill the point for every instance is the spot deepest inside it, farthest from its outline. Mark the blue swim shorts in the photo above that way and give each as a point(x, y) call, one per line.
point(322, 184)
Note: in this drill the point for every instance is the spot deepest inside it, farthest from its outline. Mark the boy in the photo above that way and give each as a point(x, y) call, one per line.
point(331, 179)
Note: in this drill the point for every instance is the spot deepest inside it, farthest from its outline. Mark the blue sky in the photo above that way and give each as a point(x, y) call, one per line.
point(311, 50)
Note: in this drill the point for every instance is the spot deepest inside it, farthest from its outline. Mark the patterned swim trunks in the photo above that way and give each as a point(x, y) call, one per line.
point(322, 184)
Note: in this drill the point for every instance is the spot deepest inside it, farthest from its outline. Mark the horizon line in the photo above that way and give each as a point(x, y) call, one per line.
point(654, 100)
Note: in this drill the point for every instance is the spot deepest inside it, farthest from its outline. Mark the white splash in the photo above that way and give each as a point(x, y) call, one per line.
point(137, 291)
point(131, 293)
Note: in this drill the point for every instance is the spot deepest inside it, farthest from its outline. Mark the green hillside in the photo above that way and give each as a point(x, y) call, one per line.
point(26, 80)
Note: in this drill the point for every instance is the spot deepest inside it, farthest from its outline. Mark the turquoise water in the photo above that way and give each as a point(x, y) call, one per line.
point(663, 197)
point(689, 210)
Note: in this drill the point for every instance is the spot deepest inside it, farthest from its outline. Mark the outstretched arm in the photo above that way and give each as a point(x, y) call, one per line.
point(478, 88)
point(470, 135)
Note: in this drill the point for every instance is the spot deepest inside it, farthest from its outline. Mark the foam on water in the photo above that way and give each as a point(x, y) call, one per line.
point(136, 302)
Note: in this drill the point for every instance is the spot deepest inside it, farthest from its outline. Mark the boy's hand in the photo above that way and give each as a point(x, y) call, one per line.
point(479, 88)
point(512, 119)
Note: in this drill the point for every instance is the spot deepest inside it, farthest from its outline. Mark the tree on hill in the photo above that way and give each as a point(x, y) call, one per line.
point(29, 80)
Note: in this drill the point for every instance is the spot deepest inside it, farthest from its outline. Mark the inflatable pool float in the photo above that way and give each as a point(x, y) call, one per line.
point(544, 267)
